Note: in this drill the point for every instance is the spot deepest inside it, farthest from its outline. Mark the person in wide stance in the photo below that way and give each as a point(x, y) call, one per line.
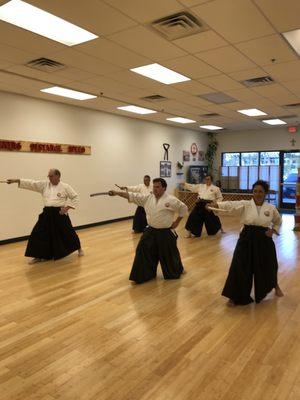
point(254, 257)
point(53, 236)
point(158, 242)
point(207, 192)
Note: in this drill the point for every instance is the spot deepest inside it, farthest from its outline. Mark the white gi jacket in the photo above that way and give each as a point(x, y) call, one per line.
point(141, 188)
point(160, 212)
point(267, 215)
point(205, 192)
point(60, 195)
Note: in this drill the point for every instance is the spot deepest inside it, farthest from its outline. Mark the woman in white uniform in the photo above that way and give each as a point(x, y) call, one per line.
point(207, 193)
point(255, 254)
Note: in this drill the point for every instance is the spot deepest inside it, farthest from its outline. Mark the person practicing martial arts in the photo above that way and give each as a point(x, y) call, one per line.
point(207, 192)
point(139, 219)
point(255, 255)
point(158, 242)
point(53, 236)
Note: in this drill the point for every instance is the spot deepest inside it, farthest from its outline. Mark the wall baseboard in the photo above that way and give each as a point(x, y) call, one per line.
point(77, 228)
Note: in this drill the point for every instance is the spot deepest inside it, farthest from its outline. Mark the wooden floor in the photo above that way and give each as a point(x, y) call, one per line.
point(78, 329)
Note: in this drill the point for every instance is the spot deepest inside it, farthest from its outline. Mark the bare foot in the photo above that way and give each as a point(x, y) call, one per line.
point(278, 292)
point(230, 303)
point(188, 235)
point(222, 231)
point(80, 253)
point(35, 260)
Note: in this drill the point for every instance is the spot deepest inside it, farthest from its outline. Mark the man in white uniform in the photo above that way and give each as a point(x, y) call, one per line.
point(207, 192)
point(139, 219)
point(53, 236)
point(158, 242)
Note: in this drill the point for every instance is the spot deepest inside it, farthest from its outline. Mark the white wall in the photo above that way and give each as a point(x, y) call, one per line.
point(123, 150)
point(265, 139)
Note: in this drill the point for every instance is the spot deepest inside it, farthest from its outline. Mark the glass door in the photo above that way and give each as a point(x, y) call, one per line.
point(290, 162)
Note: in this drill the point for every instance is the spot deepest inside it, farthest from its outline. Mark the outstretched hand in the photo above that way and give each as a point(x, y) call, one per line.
point(9, 181)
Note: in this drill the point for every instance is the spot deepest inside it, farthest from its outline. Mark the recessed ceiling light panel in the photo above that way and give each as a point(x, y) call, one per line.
point(252, 112)
point(160, 74)
point(34, 19)
point(136, 110)
point(211, 127)
point(72, 94)
point(274, 121)
point(181, 120)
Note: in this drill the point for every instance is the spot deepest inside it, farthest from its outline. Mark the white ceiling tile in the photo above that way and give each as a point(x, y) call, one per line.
point(235, 20)
point(74, 58)
point(27, 41)
point(203, 41)
point(277, 93)
point(192, 87)
point(113, 53)
point(226, 59)
point(144, 10)
point(146, 43)
point(45, 77)
point(283, 14)
point(284, 72)
point(267, 50)
point(93, 15)
point(191, 67)
point(247, 74)
point(221, 82)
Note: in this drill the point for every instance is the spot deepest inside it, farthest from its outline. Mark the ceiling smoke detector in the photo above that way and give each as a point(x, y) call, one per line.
point(178, 25)
point(260, 81)
point(45, 65)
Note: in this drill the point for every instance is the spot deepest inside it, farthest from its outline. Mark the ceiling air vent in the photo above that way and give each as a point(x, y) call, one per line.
point(154, 98)
point(217, 98)
point(293, 105)
point(45, 64)
point(210, 115)
point(178, 25)
point(260, 81)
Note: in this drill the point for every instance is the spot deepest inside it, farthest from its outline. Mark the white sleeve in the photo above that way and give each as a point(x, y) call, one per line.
point(191, 187)
point(231, 206)
point(134, 189)
point(219, 196)
point(73, 197)
point(276, 220)
point(29, 184)
point(137, 198)
point(179, 207)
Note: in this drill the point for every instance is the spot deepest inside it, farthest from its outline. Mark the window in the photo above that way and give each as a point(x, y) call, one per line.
point(248, 159)
point(269, 158)
point(231, 159)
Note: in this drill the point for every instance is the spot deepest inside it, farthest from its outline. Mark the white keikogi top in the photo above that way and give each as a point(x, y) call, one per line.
point(267, 215)
point(160, 212)
point(60, 195)
point(141, 188)
point(205, 192)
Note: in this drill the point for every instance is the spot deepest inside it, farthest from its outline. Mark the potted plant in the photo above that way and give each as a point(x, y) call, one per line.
point(211, 150)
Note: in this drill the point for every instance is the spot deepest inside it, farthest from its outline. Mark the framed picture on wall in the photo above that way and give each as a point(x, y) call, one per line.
point(165, 169)
point(186, 155)
point(201, 155)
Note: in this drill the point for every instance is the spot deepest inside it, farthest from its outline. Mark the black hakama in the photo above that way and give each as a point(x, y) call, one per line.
point(53, 236)
point(139, 220)
point(156, 245)
point(255, 258)
point(200, 215)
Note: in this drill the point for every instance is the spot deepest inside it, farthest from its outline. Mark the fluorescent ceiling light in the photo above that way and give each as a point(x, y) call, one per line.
point(274, 121)
point(160, 74)
point(211, 127)
point(181, 120)
point(293, 37)
point(72, 94)
point(136, 110)
point(34, 19)
point(252, 112)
